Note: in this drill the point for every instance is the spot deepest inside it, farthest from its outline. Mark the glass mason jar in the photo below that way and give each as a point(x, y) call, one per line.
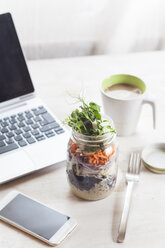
point(91, 165)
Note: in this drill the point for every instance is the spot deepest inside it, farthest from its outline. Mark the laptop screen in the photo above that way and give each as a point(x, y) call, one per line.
point(15, 80)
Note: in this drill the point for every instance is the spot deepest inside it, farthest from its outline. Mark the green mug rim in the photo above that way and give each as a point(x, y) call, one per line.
point(123, 78)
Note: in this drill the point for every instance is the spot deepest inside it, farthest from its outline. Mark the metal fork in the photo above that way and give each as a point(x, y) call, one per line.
point(132, 176)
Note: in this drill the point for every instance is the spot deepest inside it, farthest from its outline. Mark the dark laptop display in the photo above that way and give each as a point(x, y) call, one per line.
point(15, 80)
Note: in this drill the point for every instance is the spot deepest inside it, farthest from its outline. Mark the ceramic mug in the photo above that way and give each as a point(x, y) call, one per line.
point(125, 112)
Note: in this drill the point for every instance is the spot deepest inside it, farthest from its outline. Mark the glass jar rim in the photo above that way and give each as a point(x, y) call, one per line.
point(92, 138)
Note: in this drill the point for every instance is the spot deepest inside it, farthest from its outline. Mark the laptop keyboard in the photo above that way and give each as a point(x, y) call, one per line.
point(26, 128)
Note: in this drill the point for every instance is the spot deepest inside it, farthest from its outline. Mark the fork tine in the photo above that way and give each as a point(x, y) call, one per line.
point(138, 164)
point(134, 163)
point(130, 163)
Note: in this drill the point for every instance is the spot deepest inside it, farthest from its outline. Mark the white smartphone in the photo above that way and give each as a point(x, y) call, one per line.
point(35, 218)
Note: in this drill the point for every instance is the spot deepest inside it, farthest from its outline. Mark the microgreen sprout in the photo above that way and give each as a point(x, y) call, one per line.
point(87, 120)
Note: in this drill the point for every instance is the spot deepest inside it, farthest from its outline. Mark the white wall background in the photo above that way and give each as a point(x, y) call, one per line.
point(58, 28)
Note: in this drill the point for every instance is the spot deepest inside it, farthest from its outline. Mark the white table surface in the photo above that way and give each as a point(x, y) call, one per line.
point(98, 220)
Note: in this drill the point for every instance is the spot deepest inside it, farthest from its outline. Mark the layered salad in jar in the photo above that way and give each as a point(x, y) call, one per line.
point(91, 161)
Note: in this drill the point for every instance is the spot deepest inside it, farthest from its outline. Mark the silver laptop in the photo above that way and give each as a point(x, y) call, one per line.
point(31, 137)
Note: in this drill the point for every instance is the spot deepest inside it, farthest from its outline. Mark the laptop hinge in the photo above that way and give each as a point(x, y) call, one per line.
point(27, 97)
point(14, 103)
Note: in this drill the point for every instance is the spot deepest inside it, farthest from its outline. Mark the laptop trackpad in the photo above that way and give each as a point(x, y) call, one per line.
point(14, 164)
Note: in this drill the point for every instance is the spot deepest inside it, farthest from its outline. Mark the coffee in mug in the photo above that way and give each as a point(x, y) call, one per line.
point(123, 91)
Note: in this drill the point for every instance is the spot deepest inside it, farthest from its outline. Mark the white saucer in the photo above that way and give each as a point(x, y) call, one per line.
point(154, 157)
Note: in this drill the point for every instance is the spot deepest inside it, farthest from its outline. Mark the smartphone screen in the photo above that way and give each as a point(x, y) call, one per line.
point(34, 216)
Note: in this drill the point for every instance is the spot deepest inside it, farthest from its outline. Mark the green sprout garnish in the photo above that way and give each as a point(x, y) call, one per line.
point(87, 120)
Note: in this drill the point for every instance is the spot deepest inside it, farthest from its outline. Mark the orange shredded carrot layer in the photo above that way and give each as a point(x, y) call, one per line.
point(73, 147)
point(97, 158)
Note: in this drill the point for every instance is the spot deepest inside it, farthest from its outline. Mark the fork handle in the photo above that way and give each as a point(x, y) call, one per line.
point(125, 213)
